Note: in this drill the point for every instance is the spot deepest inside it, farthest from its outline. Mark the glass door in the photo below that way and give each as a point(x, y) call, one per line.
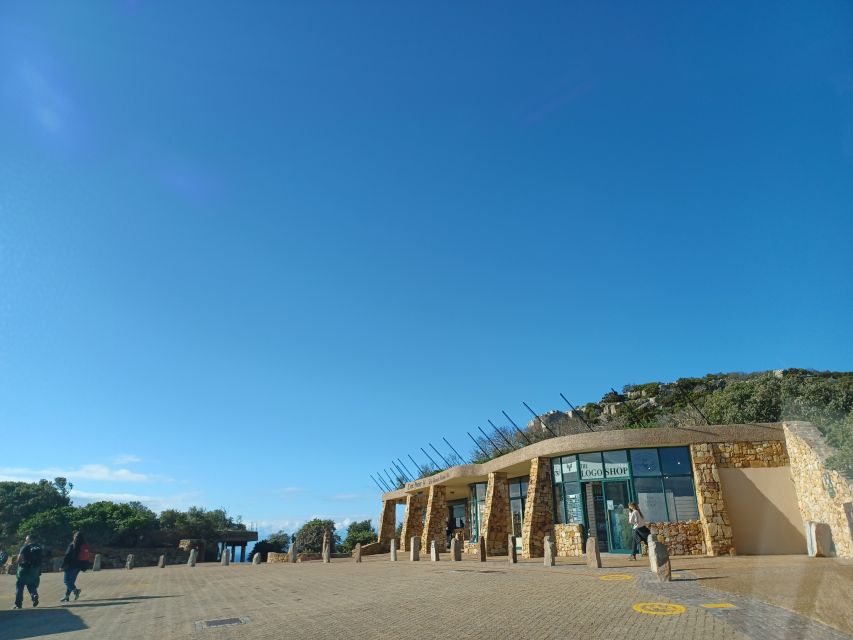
point(619, 530)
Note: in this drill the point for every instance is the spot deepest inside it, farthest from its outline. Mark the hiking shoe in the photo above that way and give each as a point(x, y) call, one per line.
point(17, 606)
point(76, 593)
point(65, 599)
point(35, 601)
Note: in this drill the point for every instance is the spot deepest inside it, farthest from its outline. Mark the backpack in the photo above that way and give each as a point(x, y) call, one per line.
point(32, 555)
point(83, 554)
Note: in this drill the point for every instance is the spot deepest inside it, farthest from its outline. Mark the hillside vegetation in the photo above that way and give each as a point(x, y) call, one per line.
point(824, 398)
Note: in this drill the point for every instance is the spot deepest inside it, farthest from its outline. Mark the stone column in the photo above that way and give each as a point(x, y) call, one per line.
point(496, 523)
point(387, 524)
point(190, 562)
point(129, 563)
point(482, 549)
point(511, 550)
point(226, 557)
point(162, 562)
point(96, 566)
point(356, 552)
point(539, 510)
point(433, 552)
point(393, 550)
point(415, 549)
point(256, 559)
point(435, 525)
point(327, 554)
point(593, 556)
point(455, 550)
point(709, 497)
point(550, 548)
point(413, 523)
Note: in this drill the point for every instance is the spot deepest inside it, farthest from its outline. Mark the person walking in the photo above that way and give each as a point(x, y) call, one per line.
point(76, 560)
point(29, 572)
point(641, 531)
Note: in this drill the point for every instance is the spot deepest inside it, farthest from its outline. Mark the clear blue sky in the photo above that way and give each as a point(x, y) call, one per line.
point(251, 252)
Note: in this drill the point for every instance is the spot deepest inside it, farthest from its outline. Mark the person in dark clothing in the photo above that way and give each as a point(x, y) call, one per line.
point(29, 572)
point(76, 560)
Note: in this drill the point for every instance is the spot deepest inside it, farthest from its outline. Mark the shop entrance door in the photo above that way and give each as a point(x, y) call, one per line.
point(619, 531)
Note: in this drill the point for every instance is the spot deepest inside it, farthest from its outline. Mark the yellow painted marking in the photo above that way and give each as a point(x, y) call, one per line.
point(616, 576)
point(659, 608)
point(719, 605)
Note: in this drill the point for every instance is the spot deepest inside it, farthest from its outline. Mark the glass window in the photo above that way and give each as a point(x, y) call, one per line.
point(574, 506)
point(681, 498)
point(569, 468)
point(675, 461)
point(644, 462)
point(651, 498)
point(616, 464)
point(591, 466)
point(518, 487)
point(478, 504)
point(557, 469)
point(560, 503)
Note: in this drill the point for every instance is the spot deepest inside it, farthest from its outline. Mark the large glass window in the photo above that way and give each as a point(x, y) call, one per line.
point(478, 506)
point(651, 499)
point(664, 489)
point(681, 498)
point(675, 461)
point(567, 490)
point(616, 464)
point(644, 462)
point(517, 502)
point(591, 466)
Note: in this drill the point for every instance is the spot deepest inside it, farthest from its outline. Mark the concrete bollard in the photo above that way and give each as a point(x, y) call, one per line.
point(455, 550)
point(162, 562)
point(550, 552)
point(663, 568)
point(226, 558)
point(593, 556)
point(327, 553)
point(193, 557)
point(96, 565)
point(433, 551)
point(393, 549)
point(291, 554)
point(481, 546)
point(512, 553)
point(129, 563)
point(356, 553)
point(256, 559)
point(415, 549)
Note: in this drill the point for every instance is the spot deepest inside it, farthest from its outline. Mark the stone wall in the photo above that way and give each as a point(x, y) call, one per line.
point(276, 558)
point(569, 539)
point(435, 525)
point(681, 538)
point(539, 509)
point(471, 548)
point(823, 495)
point(387, 523)
point(413, 523)
point(496, 523)
point(770, 453)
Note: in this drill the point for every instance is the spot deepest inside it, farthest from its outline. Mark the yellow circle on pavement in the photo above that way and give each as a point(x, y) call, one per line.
point(659, 608)
point(616, 576)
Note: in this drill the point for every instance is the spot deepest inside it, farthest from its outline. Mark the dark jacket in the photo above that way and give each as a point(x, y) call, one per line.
point(70, 561)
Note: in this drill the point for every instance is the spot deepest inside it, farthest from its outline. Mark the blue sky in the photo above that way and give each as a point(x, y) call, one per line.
point(250, 253)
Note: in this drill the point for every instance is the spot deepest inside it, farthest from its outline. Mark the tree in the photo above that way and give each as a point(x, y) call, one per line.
point(22, 500)
point(358, 532)
point(278, 542)
point(743, 402)
point(52, 528)
point(116, 524)
point(197, 522)
point(310, 537)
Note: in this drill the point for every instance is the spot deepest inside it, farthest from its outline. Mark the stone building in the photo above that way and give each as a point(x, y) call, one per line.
point(749, 489)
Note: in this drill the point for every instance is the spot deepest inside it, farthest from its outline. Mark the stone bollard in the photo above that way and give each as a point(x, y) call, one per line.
point(393, 549)
point(193, 557)
point(129, 563)
point(162, 562)
point(512, 553)
point(433, 551)
point(327, 554)
point(651, 544)
point(818, 539)
point(550, 552)
point(96, 566)
point(226, 558)
point(291, 554)
point(57, 564)
point(482, 548)
point(663, 568)
point(356, 553)
point(415, 549)
point(256, 559)
point(455, 550)
point(593, 556)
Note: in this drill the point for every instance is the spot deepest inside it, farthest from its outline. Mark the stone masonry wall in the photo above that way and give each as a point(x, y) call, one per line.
point(413, 523)
point(539, 510)
point(569, 539)
point(750, 454)
point(815, 485)
point(681, 538)
point(435, 526)
point(496, 523)
point(387, 523)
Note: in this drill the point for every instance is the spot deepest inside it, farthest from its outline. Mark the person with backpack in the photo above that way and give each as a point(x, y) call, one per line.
point(76, 560)
point(29, 572)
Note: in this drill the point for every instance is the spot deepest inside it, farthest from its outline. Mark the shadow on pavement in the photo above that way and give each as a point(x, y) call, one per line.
point(32, 623)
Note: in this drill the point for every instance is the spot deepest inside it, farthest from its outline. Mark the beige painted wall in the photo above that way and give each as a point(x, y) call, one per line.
point(763, 512)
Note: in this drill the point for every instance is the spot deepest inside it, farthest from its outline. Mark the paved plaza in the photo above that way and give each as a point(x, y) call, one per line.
point(746, 597)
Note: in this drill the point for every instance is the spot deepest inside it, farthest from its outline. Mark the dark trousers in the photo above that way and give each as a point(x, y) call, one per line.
point(70, 579)
point(641, 534)
point(32, 586)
